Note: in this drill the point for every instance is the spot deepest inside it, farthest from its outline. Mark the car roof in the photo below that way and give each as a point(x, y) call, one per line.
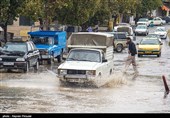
point(160, 28)
point(141, 25)
point(150, 38)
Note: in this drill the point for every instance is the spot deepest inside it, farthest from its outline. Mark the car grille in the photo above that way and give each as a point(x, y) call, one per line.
point(9, 59)
point(43, 52)
point(82, 72)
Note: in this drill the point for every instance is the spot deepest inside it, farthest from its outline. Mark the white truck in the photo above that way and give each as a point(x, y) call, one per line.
point(90, 59)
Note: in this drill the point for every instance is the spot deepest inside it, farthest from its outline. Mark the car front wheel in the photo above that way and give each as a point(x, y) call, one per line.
point(119, 48)
point(36, 66)
point(26, 69)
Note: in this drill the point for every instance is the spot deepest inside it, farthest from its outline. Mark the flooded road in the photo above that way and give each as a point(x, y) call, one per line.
point(40, 92)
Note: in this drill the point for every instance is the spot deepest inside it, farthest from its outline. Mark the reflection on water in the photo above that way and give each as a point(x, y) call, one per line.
point(43, 94)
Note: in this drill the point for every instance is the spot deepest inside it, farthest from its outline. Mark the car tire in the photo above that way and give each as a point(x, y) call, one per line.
point(36, 65)
point(49, 61)
point(26, 69)
point(159, 55)
point(119, 48)
point(60, 57)
point(139, 55)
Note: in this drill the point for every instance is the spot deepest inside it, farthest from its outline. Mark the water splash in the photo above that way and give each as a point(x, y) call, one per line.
point(117, 79)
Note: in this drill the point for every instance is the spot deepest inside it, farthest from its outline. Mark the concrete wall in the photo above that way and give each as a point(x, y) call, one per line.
point(15, 28)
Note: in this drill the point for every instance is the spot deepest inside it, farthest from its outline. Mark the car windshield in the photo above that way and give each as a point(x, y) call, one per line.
point(84, 55)
point(160, 29)
point(43, 40)
point(149, 42)
point(153, 35)
point(141, 27)
point(15, 47)
point(143, 19)
point(123, 24)
point(119, 36)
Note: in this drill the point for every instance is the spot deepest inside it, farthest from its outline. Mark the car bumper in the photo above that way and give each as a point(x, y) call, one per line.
point(12, 65)
point(76, 78)
point(140, 32)
point(162, 36)
point(149, 52)
point(45, 57)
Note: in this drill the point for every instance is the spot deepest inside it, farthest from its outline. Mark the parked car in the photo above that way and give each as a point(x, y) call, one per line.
point(141, 29)
point(166, 18)
point(161, 31)
point(143, 21)
point(120, 40)
point(149, 46)
point(19, 55)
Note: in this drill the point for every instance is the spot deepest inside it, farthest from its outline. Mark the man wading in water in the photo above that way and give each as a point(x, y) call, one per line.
point(131, 56)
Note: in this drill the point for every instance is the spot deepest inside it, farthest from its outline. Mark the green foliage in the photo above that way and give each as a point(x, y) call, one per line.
point(77, 12)
point(10, 9)
point(147, 6)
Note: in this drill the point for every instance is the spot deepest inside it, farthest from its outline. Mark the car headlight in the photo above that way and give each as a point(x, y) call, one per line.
point(90, 72)
point(20, 59)
point(156, 49)
point(140, 49)
point(0, 59)
point(62, 72)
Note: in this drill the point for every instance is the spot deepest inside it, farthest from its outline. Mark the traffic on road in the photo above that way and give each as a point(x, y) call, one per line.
point(41, 90)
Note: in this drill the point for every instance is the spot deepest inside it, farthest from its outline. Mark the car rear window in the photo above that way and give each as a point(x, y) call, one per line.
point(120, 36)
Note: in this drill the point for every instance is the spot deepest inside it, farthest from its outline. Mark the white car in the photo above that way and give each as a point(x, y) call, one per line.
point(152, 35)
point(158, 21)
point(161, 31)
point(90, 59)
point(121, 25)
point(127, 29)
point(143, 21)
point(142, 29)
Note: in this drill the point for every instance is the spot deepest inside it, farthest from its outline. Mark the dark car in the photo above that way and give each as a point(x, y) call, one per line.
point(19, 55)
point(166, 18)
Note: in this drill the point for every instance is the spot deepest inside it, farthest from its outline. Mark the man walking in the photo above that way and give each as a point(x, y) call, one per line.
point(131, 56)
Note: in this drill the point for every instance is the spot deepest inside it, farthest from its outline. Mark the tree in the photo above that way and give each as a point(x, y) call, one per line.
point(146, 6)
point(77, 12)
point(42, 10)
point(10, 10)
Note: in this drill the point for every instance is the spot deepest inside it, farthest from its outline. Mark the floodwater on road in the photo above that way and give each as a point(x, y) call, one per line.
point(40, 92)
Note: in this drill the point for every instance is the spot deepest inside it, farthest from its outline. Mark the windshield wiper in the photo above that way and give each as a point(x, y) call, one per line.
point(70, 59)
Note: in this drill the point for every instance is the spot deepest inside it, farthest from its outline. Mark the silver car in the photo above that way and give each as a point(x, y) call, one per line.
point(141, 29)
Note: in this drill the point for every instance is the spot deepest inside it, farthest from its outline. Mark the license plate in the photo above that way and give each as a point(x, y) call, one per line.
point(8, 63)
point(148, 52)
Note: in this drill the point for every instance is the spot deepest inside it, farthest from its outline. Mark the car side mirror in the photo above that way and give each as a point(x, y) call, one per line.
point(161, 43)
point(137, 43)
point(30, 51)
point(104, 60)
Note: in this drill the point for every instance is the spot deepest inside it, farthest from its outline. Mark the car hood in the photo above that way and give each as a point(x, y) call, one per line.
point(149, 47)
point(160, 33)
point(6, 56)
point(79, 65)
point(142, 22)
point(140, 29)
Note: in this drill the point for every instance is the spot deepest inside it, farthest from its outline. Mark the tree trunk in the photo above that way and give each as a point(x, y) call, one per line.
point(5, 32)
